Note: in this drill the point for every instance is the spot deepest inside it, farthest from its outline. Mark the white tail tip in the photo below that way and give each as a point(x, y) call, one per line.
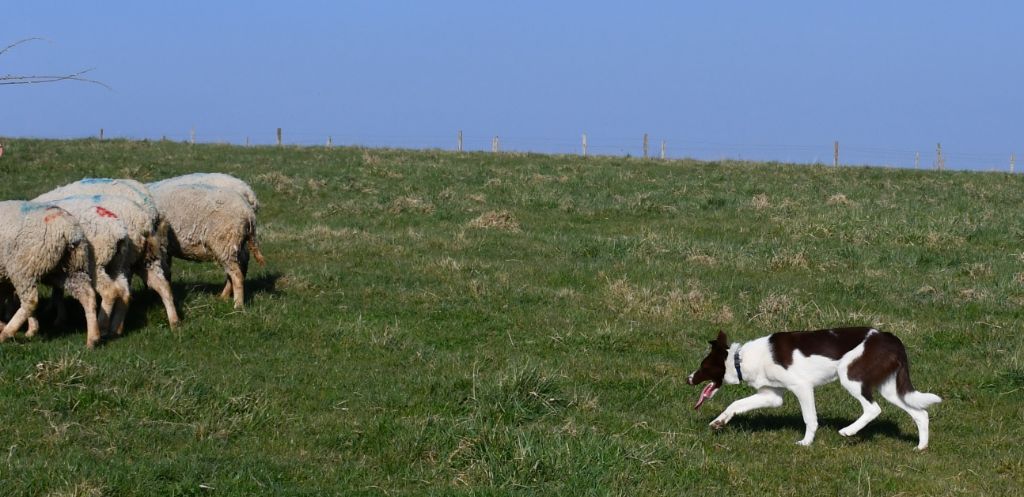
point(921, 400)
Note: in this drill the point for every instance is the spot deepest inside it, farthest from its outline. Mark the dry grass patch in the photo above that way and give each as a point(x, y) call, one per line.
point(789, 260)
point(838, 199)
point(65, 371)
point(626, 298)
point(280, 182)
point(415, 205)
point(496, 220)
point(760, 202)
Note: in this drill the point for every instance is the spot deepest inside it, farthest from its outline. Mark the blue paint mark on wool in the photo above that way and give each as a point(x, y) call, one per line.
point(94, 181)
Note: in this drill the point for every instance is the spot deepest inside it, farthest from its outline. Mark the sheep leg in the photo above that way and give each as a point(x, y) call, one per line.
point(121, 305)
point(234, 272)
point(155, 279)
point(86, 296)
point(109, 294)
point(227, 291)
point(29, 296)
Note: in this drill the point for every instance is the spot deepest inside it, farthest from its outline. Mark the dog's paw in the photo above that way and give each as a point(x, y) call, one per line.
point(805, 443)
point(717, 424)
point(847, 432)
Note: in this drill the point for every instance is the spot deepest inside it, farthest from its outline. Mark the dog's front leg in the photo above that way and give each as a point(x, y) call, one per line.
point(805, 394)
point(765, 397)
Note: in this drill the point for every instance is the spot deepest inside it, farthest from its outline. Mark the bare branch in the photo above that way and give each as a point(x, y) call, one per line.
point(19, 42)
point(29, 80)
point(11, 79)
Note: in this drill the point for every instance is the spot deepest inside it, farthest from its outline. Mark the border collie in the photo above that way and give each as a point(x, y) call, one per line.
point(864, 359)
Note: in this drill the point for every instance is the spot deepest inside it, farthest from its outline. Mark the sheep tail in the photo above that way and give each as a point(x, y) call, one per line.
point(254, 246)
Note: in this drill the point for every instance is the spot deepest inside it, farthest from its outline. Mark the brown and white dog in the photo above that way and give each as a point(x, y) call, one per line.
point(864, 359)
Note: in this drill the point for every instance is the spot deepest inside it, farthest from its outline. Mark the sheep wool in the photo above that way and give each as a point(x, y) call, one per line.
point(44, 243)
point(146, 228)
point(215, 180)
point(115, 248)
point(210, 224)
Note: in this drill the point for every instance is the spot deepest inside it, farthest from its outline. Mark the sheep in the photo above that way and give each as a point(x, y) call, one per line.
point(210, 224)
point(117, 241)
point(216, 180)
point(44, 243)
point(143, 218)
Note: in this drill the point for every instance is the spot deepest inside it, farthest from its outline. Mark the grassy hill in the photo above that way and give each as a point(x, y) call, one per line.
point(511, 324)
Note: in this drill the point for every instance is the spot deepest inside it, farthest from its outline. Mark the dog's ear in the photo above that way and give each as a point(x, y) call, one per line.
point(722, 339)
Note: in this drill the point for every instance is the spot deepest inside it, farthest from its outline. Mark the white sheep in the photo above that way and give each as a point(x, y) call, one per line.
point(143, 218)
point(117, 241)
point(216, 180)
point(44, 243)
point(209, 224)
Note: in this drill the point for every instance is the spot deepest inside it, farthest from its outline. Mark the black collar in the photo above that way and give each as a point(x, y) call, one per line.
point(736, 362)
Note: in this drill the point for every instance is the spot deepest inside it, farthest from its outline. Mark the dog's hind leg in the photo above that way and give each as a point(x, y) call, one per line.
point(920, 416)
point(863, 395)
point(765, 397)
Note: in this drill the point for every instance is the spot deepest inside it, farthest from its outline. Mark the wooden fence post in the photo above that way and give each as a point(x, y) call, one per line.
point(645, 146)
point(192, 136)
point(495, 144)
point(101, 134)
point(939, 161)
point(662, 149)
point(330, 142)
point(460, 140)
point(1012, 160)
point(278, 137)
point(835, 154)
point(917, 160)
point(584, 145)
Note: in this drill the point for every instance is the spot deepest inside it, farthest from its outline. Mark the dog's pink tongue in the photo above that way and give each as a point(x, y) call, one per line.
point(705, 394)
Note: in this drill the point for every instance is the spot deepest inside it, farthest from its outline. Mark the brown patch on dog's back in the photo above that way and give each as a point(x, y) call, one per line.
point(827, 343)
point(884, 355)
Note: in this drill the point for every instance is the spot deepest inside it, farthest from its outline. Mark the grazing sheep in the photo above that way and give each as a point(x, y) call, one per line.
point(105, 221)
point(210, 224)
point(44, 243)
point(143, 218)
point(216, 180)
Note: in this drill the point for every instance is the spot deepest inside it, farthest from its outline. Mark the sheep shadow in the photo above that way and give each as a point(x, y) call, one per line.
point(265, 283)
point(795, 422)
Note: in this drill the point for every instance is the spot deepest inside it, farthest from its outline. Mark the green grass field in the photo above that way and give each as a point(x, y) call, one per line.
point(433, 323)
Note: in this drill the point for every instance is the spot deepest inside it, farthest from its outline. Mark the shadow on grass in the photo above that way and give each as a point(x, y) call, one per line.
point(795, 423)
point(143, 300)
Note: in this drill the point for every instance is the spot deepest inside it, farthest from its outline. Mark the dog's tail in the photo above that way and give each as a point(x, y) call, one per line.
point(913, 398)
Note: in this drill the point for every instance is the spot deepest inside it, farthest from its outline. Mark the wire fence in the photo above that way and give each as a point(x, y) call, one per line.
point(835, 153)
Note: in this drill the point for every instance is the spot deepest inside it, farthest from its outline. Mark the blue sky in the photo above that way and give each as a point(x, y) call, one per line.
point(750, 80)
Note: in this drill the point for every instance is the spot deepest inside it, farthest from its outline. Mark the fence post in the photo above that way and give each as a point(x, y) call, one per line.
point(835, 154)
point(192, 136)
point(330, 142)
point(645, 146)
point(917, 160)
point(101, 134)
point(278, 137)
point(1012, 160)
point(939, 162)
point(495, 144)
point(584, 145)
point(460, 140)
point(662, 149)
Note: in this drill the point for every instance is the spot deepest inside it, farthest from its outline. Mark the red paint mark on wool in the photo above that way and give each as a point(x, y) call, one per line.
point(53, 215)
point(105, 213)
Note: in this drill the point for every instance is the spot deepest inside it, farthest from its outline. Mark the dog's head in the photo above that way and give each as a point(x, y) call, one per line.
point(712, 369)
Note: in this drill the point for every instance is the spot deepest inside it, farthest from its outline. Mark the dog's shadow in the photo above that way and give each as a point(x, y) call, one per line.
point(795, 422)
